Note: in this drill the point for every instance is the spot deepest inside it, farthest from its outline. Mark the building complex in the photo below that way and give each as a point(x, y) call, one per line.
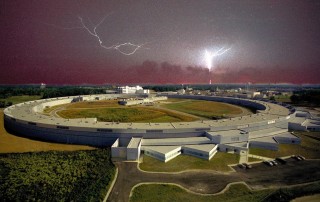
point(265, 129)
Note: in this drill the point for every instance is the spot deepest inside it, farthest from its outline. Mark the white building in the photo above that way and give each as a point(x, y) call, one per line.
point(129, 151)
point(132, 90)
point(163, 153)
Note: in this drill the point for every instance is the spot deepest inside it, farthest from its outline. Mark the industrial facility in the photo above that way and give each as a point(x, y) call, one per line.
point(267, 128)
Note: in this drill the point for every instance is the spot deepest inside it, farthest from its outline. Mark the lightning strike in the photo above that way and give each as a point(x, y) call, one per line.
point(93, 32)
point(209, 56)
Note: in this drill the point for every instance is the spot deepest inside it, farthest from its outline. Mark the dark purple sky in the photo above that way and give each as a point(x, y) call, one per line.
point(268, 41)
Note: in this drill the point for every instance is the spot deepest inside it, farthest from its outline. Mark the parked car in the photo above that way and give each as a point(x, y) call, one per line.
point(302, 157)
point(241, 166)
point(248, 166)
point(296, 157)
point(268, 163)
point(281, 160)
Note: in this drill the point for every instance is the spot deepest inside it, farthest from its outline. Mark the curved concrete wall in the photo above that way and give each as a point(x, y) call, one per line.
point(25, 120)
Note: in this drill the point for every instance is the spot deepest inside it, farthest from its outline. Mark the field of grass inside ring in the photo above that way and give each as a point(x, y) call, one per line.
point(171, 110)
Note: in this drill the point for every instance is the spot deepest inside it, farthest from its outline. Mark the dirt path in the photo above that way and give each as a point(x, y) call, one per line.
point(209, 182)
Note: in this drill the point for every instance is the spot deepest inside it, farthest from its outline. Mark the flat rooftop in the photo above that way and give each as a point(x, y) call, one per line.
point(226, 132)
point(134, 142)
point(176, 141)
point(202, 147)
point(264, 139)
point(161, 149)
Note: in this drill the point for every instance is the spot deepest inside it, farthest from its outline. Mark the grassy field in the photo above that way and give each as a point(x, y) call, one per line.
point(235, 193)
point(110, 110)
point(22, 98)
point(251, 159)
point(128, 114)
point(283, 98)
point(219, 162)
point(309, 147)
point(206, 109)
point(56, 176)
point(13, 144)
point(95, 104)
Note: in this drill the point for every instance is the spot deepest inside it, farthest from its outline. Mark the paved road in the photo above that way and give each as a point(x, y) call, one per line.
point(259, 176)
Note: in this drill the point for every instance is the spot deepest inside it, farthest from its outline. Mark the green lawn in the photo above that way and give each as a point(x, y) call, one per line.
point(283, 98)
point(251, 159)
point(20, 99)
point(235, 193)
point(309, 147)
point(219, 162)
point(206, 109)
point(56, 176)
point(126, 114)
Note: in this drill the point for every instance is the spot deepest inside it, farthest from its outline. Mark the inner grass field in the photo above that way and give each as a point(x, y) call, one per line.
point(206, 109)
point(171, 110)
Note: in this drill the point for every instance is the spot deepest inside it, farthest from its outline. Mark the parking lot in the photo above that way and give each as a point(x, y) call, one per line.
point(292, 172)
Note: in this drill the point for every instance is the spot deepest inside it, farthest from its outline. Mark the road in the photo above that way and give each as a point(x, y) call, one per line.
point(209, 182)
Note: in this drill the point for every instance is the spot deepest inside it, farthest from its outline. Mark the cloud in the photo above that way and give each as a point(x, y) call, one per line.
point(65, 71)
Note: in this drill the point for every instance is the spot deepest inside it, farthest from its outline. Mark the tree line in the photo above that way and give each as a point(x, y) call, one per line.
point(306, 96)
point(50, 92)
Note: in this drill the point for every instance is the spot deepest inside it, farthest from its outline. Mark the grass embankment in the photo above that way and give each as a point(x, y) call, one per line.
point(283, 98)
point(251, 159)
point(111, 111)
point(309, 147)
point(14, 144)
point(56, 176)
point(206, 109)
point(219, 162)
point(239, 192)
point(21, 98)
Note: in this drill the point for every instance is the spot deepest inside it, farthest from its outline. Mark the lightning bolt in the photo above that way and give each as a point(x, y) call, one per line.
point(93, 32)
point(209, 56)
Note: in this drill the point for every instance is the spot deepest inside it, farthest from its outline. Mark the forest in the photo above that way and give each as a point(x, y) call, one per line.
point(56, 176)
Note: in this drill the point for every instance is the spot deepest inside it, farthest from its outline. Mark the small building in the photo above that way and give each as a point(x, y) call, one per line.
point(162, 153)
point(77, 99)
point(124, 150)
point(238, 148)
point(287, 138)
point(133, 149)
point(264, 143)
point(204, 151)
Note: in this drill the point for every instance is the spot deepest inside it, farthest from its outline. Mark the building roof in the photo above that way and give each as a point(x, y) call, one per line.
point(161, 149)
point(226, 132)
point(272, 131)
point(285, 135)
point(312, 123)
point(134, 143)
point(176, 141)
point(265, 140)
point(202, 147)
